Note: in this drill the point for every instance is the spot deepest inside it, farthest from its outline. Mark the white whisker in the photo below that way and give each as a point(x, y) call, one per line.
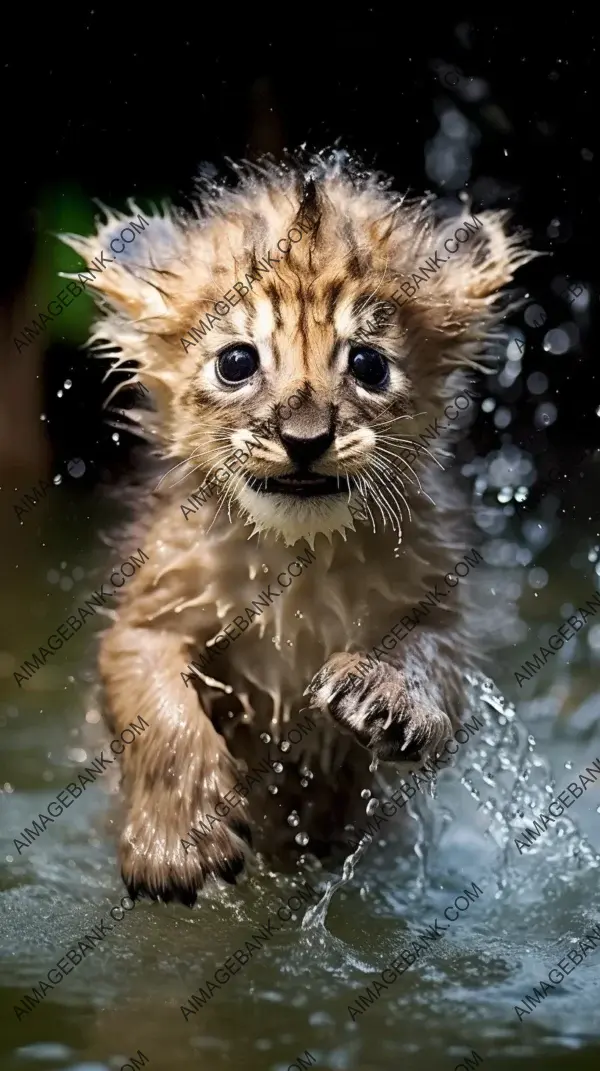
point(378, 500)
point(364, 494)
point(220, 452)
point(405, 416)
point(386, 469)
point(390, 453)
point(416, 446)
point(379, 465)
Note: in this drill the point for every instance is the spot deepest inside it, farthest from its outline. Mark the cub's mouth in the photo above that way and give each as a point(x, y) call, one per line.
point(300, 485)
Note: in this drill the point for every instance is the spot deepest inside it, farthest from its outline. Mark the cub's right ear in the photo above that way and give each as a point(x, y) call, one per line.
point(135, 263)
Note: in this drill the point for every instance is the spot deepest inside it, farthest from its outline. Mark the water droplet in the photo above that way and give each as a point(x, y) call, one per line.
point(76, 467)
point(59, 394)
point(293, 819)
point(265, 568)
point(568, 765)
point(302, 838)
point(277, 767)
point(57, 480)
point(44, 417)
point(298, 614)
point(266, 739)
point(365, 793)
point(276, 640)
point(373, 765)
point(285, 745)
point(304, 782)
point(273, 790)
point(67, 384)
point(115, 436)
point(537, 578)
point(535, 316)
point(372, 806)
point(290, 643)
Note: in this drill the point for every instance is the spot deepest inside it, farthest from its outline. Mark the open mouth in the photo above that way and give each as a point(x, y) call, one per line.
point(302, 485)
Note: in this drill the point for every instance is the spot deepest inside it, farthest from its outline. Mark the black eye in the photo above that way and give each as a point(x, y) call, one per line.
point(237, 363)
point(369, 367)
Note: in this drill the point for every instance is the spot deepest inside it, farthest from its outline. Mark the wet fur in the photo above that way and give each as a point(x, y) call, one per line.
point(204, 570)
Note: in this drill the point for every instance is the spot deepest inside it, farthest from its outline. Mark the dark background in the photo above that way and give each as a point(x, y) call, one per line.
point(98, 105)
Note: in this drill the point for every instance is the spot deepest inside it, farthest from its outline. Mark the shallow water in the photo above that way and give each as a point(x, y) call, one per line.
point(293, 994)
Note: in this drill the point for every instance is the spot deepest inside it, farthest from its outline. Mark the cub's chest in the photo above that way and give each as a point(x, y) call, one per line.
point(288, 615)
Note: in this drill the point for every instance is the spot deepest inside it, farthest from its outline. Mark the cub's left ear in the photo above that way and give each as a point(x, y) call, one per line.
point(134, 261)
point(483, 256)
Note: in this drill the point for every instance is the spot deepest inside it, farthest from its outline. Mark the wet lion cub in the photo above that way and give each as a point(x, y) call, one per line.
point(298, 333)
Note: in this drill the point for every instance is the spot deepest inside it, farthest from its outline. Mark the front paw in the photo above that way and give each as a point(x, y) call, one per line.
point(393, 719)
point(174, 862)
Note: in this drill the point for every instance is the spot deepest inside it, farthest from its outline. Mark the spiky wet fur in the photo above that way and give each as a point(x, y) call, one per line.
point(205, 569)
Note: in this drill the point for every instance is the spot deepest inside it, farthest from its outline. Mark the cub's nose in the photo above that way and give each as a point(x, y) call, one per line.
point(302, 450)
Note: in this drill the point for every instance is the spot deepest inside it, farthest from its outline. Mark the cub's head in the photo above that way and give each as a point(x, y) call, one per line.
point(298, 333)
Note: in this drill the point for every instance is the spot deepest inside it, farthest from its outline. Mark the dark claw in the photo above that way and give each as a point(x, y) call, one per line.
point(180, 881)
point(182, 894)
point(230, 868)
point(242, 829)
point(187, 896)
point(165, 894)
point(133, 889)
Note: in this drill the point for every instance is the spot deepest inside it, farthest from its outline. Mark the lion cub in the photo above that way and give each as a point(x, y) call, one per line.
point(298, 333)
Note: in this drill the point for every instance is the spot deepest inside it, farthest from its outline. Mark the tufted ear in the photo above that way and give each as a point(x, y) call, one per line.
point(458, 291)
point(133, 261)
point(483, 257)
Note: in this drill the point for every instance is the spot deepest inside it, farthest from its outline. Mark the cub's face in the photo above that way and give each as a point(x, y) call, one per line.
point(284, 353)
point(305, 414)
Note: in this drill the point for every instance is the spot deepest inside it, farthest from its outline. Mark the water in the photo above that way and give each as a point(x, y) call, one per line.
point(294, 993)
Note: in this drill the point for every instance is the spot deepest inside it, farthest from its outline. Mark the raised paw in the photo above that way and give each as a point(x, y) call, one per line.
point(388, 714)
point(174, 861)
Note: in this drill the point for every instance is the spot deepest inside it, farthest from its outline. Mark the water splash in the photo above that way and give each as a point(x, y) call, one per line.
point(315, 916)
point(506, 779)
